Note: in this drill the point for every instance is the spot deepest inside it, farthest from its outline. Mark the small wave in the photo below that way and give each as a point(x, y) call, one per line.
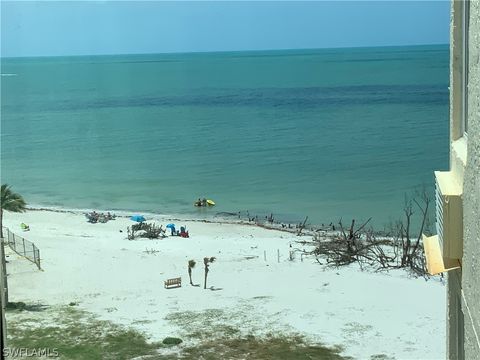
point(9, 74)
point(150, 215)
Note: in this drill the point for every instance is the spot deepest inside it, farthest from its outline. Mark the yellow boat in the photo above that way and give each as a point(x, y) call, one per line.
point(210, 202)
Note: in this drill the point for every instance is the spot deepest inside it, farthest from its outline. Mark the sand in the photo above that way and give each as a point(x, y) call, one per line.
point(366, 313)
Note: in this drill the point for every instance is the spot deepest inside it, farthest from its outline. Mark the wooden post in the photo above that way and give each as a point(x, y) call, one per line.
point(24, 251)
point(278, 255)
point(265, 255)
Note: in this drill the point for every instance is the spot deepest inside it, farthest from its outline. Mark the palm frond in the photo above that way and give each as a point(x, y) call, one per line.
point(11, 201)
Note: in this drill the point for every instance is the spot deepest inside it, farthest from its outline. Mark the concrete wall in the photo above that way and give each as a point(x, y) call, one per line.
point(471, 210)
point(457, 166)
point(463, 293)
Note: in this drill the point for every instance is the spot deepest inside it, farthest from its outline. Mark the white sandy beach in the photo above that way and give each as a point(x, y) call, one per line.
point(95, 265)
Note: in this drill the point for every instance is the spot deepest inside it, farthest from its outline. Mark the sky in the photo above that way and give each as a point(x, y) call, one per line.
point(57, 28)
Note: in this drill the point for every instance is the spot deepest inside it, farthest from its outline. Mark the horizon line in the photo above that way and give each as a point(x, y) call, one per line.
point(219, 51)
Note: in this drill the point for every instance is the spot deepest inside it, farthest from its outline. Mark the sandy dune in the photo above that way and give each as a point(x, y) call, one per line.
point(116, 279)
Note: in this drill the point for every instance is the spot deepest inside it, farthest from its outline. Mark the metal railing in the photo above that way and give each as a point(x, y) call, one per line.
point(22, 247)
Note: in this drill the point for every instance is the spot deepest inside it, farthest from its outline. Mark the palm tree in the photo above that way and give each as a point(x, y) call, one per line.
point(191, 265)
point(206, 261)
point(10, 201)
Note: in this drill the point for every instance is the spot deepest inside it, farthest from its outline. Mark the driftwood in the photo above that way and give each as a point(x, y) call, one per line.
point(150, 231)
point(302, 226)
point(151, 251)
point(396, 248)
point(363, 246)
point(345, 248)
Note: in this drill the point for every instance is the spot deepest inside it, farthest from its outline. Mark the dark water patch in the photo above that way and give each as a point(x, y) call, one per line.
point(297, 97)
point(139, 62)
point(371, 60)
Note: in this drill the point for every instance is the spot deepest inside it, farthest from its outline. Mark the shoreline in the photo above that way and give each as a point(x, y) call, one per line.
point(228, 218)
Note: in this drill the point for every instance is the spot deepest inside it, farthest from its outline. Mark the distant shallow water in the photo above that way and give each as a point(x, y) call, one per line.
point(324, 133)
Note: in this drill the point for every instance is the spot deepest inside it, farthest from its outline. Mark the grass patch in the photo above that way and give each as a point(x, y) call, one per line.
point(265, 348)
point(216, 337)
point(77, 334)
point(21, 306)
point(381, 357)
point(263, 297)
point(172, 341)
point(209, 335)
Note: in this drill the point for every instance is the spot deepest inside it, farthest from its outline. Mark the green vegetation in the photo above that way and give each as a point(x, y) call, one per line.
point(172, 341)
point(209, 335)
point(10, 201)
point(21, 306)
point(265, 348)
point(76, 334)
point(381, 357)
point(217, 337)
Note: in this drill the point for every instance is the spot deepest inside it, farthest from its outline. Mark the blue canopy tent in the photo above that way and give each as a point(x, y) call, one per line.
point(138, 218)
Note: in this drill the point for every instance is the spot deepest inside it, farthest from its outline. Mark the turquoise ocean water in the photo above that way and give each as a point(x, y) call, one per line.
point(324, 133)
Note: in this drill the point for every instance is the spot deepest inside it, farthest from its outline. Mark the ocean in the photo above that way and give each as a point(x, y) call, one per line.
point(323, 133)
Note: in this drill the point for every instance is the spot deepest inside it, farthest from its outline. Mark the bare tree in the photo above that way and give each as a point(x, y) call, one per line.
point(191, 265)
point(207, 261)
point(302, 226)
point(401, 247)
point(150, 231)
point(410, 240)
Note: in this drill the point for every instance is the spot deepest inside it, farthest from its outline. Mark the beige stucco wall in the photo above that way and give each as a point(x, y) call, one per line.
point(454, 277)
point(463, 292)
point(471, 211)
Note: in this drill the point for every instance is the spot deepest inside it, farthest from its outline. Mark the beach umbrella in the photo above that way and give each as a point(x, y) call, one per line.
point(170, 226)
point(138, 218)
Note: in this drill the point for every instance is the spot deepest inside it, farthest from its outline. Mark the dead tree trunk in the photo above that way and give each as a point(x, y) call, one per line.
point(190, 275)
point(206, 261)
point(302, 226)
